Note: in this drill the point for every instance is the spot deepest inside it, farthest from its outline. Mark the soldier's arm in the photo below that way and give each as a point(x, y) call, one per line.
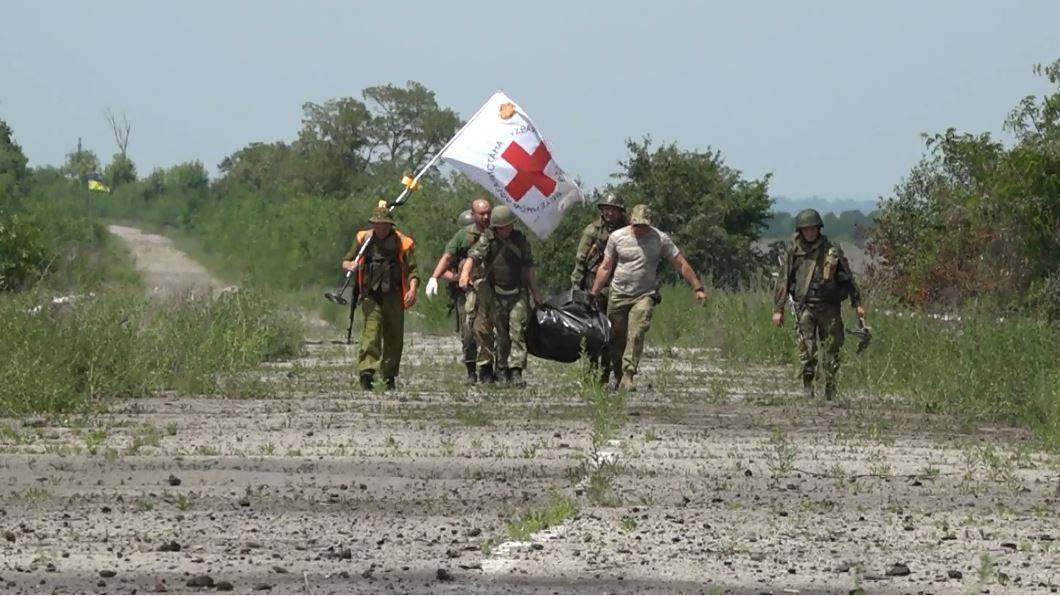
point(411, 270)
point(855, 292)
point(603, 274)
point(681, 264)
point(442, 268)
point(578, 275)
point(780, 287)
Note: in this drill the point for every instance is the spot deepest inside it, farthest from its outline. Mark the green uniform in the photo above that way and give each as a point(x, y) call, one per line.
point(586, 261)
point(387, 268)
point(465, 302)
point(818, 279)
point(504, 304)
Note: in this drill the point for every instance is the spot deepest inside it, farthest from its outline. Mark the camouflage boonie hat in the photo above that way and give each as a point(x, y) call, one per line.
point(641, 216)
point(381, 215)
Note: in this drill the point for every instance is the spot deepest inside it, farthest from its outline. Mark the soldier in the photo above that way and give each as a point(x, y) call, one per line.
point(503, 255)
point(816, 278)
point(448, 269)
point(633, 255)
point(591, 253)
point(387, 278)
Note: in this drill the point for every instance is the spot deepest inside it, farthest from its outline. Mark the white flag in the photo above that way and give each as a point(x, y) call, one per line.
point(501, 149)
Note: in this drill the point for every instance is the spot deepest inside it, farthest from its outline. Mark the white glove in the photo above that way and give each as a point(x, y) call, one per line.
point(432, 287)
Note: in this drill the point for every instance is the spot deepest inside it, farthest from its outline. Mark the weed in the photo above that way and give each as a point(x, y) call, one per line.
point(182, 502)
point(473, 416)
point(146, 436)
point(143, 504)
point(629, 523)
point(781, 457)
point(650, 436)
point(555, 512)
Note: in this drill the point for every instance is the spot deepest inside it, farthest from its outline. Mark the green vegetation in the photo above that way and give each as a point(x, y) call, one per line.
point(848, 226)
point(553, 513)
point(975, 223)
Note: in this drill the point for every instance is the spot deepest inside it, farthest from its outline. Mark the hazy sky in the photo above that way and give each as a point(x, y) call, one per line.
point(831, 97)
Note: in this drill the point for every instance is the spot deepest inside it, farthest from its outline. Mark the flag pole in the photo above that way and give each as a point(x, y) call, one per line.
point(400, 200)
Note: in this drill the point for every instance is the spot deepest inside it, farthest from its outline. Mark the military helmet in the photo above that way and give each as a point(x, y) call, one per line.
point(501, 216)
point(612, 200)
point(381, 214)
point(808, 218)
point(641, 215)
point(465, 219)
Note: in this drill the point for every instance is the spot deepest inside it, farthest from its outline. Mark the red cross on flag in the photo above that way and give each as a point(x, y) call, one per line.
point(502, 150)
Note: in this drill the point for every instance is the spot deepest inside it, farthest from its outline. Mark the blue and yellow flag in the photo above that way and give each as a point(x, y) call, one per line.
point(95, 184)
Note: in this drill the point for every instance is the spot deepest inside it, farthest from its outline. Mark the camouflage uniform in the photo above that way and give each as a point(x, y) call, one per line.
point(383, 275)
point(465, 301)
point(818, 279)
point(504, 303)
point(589, 256)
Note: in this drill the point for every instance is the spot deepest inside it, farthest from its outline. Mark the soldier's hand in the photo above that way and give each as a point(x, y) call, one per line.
point(778, 318)
point(465, 281)
point(349, 265)
point(701, 296)
point(432, 288)
point(410, 297)
point(860, 310)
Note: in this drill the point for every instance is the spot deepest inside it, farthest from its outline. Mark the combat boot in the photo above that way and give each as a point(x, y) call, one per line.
point(367, 380)
point(515, 377)
point(472, 376)
point(391, 383)
point(807, 387)
point(829, 391)
point(485, 374)
point(627, 384)
point(502, 376)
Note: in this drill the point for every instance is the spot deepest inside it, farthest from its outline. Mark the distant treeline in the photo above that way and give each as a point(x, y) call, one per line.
point(852, 226)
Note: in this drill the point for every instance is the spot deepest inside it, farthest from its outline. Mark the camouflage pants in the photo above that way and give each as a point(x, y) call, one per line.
point(382, 337)
point(465, 325)
point(630, 320)
point(504, 317)
point(820, 330)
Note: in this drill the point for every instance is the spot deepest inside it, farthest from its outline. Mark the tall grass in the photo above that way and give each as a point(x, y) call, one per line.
point(980, 368)
point(120, 344)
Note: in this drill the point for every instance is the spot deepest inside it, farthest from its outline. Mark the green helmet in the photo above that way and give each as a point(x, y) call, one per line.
point(612, 200)
point(808, 218)
point(501, 216)
point(465, 219)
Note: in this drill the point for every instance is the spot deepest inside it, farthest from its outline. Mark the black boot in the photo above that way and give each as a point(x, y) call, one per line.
point(485, 374)
point(472, 376)
point(391, 383)
point(367, 380)
point(515, 377)
point(502, 376)
point(807, 387)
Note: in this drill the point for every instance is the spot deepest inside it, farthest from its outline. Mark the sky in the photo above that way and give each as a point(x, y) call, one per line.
point(831, 98)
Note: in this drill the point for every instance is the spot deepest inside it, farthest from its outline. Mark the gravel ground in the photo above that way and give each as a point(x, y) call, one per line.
point(720, 480)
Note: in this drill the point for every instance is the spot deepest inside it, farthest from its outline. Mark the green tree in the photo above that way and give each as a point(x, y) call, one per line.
point(121, 170)
point(187, 177)
point(976, 221)
point(14, 177)
point(407, 125)
point(713, 213)
point(81, 163)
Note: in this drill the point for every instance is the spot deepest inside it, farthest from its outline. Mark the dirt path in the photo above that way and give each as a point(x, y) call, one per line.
point(165, 270)
point(720, 479)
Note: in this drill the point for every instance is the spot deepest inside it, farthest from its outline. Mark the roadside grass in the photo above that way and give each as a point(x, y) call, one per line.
point(120, 344)
point(980, 369)
point(558, 509)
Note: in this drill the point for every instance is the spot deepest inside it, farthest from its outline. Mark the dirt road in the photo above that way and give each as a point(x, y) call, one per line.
point(720, 479)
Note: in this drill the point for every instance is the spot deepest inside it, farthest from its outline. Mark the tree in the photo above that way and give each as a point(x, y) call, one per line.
point(81, 163)
point(975, 220)
point(407, 125)
point(713, 214)
point(333, 142)
point(120, 170)
point(14, 177)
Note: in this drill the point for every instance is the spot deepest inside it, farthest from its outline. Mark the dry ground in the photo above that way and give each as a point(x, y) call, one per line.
point(722, 481)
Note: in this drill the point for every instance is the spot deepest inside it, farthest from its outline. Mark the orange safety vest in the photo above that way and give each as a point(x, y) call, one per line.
point(405, 244)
